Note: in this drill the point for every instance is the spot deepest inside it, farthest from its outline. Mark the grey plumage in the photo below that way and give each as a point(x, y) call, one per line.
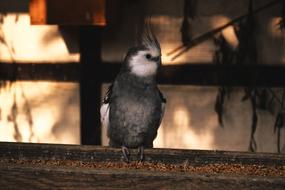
point(135, 112)
point(133, 106)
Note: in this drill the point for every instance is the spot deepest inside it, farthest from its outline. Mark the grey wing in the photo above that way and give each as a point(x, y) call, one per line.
point(105, 108)
point(163, 102)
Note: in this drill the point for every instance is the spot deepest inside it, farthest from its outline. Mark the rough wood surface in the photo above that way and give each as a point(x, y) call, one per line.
point(98, 153)
point(45, 176)
point(61, 178)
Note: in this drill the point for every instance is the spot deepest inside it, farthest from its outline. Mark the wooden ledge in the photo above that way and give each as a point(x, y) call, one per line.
point(169, 156)
point(41, 166)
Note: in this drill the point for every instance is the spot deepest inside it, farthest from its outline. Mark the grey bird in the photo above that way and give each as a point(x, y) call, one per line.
point(133, 107)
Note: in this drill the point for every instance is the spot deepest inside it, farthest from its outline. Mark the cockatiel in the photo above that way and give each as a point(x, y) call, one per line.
point(133, 107)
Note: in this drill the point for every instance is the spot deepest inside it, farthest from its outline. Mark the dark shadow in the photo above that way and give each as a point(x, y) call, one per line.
point(14, 6)
point(70, 37)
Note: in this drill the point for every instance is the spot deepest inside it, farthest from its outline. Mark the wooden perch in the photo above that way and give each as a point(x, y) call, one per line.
point(42, 166)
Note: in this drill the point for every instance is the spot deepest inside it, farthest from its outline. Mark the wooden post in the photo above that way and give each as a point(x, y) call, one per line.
point(90, 90)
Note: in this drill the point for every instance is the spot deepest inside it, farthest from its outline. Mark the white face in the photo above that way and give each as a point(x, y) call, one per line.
point(143, 63)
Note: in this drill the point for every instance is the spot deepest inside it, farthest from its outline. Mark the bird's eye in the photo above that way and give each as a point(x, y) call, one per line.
point(148, 56)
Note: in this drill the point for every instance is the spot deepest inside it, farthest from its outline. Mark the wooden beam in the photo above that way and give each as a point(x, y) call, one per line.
point(87, 153)
point(60, 72)
point(90, 90)
point(29, 165)
point(184, 74)
point(68, 12)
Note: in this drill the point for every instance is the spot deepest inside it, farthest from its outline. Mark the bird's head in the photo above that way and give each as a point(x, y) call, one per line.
point(144, 60)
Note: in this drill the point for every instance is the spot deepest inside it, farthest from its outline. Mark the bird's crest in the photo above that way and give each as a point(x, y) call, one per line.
point(148, 38)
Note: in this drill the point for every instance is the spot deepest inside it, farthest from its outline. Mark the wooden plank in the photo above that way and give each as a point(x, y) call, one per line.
point(68, 12)
point(184, 74)
point(231, 75)
point(44, 176)
point(15, 177)
point(86, 153)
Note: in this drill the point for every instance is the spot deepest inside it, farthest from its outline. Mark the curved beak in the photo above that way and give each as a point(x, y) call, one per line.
point(157, 60)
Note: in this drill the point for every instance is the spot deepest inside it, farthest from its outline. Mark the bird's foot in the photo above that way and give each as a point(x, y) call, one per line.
point(126, 154)
point(141, 153)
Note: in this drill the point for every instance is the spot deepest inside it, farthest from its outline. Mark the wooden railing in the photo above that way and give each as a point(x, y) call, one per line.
point(182, 74)
point(50, 166)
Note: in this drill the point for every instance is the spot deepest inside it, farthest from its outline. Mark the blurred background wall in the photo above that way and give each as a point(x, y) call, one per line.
point(48, 112)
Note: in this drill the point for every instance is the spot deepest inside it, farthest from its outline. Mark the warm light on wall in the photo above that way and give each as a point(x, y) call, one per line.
point(228, 33)
point(43, 112)
point(26, 43)
point(183, 135)
point(274, 28)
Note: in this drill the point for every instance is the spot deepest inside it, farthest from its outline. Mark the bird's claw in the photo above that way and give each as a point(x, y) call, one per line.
point(141, 153)
point(126, 154)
